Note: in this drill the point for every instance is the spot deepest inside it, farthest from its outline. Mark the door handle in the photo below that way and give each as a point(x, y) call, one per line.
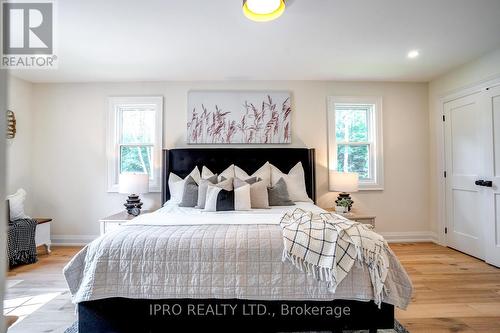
point(485, 183)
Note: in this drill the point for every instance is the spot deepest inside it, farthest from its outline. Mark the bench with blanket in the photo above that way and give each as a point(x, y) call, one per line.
point(21, 242)
point(21, 245)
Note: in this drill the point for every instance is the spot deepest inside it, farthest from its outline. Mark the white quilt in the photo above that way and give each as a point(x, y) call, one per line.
point(185, 253)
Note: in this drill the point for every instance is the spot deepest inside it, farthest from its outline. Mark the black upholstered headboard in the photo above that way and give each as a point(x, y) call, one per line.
point(182, 161)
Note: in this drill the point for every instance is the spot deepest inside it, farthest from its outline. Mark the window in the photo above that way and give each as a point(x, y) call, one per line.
point(355, 139)
point(134, 139)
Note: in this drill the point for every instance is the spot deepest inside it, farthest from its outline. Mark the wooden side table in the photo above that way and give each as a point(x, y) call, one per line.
point(357, 216)
point(112, 222)
point(42, 233)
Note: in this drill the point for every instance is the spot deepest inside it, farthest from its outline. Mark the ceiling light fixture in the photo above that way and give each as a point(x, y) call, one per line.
point(263, 10)
point(413, 54)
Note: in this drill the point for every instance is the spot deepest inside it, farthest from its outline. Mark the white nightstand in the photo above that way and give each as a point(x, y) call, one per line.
point(113, 221)
point(42, 232)
point(357, 216)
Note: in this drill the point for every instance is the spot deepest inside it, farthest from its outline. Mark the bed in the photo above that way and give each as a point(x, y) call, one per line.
point(221, 270)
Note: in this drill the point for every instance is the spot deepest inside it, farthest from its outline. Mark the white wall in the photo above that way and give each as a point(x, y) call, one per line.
point(19, 149)
point(483, 69)
point(69, 147)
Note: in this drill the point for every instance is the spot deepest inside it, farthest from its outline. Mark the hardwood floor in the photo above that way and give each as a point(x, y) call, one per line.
point(39, 295)
point(453, 292)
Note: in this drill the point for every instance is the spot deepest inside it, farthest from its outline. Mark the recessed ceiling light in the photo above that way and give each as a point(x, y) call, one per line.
point(413, 54)
point(263, 10)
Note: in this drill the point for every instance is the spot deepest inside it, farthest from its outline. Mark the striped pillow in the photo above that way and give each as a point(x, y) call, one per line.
point(220, 197)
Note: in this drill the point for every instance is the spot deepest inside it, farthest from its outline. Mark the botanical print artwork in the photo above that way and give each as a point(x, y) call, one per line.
point(216, 117)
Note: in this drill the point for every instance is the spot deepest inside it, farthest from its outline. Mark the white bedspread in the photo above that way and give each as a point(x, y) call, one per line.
point(185, 253)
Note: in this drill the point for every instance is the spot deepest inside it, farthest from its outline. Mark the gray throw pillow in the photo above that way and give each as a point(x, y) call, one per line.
point(202, 190)
point(190, 194)
point(278, 194)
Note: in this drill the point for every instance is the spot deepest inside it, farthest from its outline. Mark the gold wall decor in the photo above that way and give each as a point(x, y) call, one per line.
point(11, 125)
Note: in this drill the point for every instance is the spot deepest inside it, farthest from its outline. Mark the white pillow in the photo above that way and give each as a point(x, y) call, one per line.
point(176, 184)
point(228, 173)
point(211, 199)
point(263, 173)
point(16, 205)
point(295, 182)
point(242, 198)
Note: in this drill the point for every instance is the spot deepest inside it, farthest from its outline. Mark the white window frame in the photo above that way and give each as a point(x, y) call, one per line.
point(113, 139)
point(376, 182)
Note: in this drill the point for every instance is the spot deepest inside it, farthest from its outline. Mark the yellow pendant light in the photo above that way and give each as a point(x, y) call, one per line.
point(263, 10)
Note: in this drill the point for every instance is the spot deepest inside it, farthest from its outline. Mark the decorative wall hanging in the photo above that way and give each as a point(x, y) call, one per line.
point(223, 117)
point(11, 125)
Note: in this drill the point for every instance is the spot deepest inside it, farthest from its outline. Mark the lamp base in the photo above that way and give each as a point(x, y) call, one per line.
point(344, 195)
point(133, 205)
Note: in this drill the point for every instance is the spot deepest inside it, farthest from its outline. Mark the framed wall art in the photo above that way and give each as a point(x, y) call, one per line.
point(251, 117)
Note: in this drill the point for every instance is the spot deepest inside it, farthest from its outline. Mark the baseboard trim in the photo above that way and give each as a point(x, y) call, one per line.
point(410, 236)
point(72, 240)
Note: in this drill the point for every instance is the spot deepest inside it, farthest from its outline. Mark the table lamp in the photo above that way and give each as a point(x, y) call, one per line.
point(345, 183)
point(133, 184)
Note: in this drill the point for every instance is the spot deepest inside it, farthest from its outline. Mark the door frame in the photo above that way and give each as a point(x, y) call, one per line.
point(440, 166)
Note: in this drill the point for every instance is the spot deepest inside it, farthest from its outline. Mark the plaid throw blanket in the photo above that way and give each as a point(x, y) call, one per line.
point(21, 242)
point(327, 246)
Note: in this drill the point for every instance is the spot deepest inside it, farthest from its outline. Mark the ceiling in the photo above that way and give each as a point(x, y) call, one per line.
point(117, 40)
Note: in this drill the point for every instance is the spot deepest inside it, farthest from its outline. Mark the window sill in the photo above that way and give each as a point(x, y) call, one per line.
point(152, 189)
point(370, 187)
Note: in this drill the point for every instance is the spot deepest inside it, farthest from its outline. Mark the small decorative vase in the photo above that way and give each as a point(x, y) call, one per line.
point(340, 209)
point(344, 195)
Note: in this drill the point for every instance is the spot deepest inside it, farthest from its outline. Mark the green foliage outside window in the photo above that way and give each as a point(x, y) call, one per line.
point(135, 159)
point(137, 137)
point(351, 125)
point(352, 136)
point(357, 159)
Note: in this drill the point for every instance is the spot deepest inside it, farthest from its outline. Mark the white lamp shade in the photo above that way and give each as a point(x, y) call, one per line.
point(134, 183)
point(343, 181)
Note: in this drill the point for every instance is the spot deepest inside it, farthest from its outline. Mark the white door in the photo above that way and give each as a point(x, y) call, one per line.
point(492, 194)
point(464, 150)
